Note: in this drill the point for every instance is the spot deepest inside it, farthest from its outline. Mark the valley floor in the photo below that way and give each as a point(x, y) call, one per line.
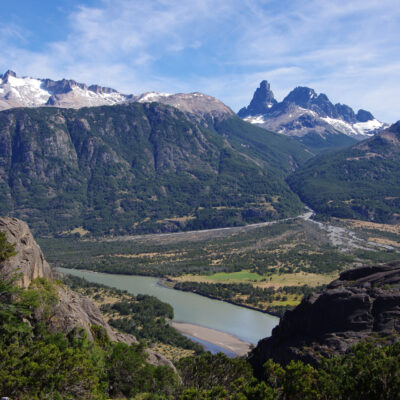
point(269, 266)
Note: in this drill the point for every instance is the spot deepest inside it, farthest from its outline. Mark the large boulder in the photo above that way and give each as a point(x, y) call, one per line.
point(364, 303)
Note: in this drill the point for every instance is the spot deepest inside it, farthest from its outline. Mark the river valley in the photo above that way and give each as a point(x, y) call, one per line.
point(244, 324)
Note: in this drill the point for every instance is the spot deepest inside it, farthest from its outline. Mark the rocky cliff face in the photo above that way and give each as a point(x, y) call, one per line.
point(261, 103)
point(73, 309)
point(29, 260)
point(364, 303)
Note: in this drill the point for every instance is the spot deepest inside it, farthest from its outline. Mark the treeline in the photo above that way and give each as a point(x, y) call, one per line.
point(367, 372)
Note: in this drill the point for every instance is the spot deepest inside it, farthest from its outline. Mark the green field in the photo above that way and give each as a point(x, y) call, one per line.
point(235, 276)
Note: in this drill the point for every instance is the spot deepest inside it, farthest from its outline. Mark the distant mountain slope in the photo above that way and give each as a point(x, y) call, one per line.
point(361, 182)
point(310, 117)
point(283, 153)
point(139, 168)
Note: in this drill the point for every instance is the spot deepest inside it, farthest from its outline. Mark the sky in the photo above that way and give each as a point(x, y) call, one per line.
point(349, 50)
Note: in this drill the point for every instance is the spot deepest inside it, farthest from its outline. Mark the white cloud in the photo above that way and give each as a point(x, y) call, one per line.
point(348, 49)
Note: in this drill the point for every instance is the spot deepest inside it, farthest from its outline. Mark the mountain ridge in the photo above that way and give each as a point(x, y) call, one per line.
point(305, 114)
point(140, 167)
point(361, 182)
point(67, 93)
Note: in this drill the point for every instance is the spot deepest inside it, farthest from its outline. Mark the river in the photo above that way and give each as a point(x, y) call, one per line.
point(243, 323)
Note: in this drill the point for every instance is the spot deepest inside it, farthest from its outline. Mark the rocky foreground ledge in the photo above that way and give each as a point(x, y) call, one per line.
point(364, 303)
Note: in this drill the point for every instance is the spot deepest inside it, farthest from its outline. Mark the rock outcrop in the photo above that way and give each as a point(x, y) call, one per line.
point(29, 260)
point(72, 310)
point(263, 100)
point(364, 303)
point(75, 310)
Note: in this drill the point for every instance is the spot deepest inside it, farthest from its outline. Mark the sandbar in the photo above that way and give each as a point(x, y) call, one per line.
point(218, 338)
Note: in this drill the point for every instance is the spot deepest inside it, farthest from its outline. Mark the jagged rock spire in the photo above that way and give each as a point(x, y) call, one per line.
point(262, 102)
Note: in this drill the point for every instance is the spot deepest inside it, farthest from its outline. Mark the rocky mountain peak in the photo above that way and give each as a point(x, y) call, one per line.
point(67, 93)
point(301, 96)
point(346, 113)
point(197, 104)
point(364, 116)
point(303, 112)
point(7, 75)
point(263, 100)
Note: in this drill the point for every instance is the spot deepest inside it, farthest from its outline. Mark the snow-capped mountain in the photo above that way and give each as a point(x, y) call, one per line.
point(304, 112)
point(31, 92)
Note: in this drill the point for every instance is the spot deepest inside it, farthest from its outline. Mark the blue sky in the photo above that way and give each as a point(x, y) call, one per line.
point(349, 50)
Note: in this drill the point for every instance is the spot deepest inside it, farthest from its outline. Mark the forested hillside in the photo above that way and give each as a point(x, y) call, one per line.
point(140, 168)
point(362, 182)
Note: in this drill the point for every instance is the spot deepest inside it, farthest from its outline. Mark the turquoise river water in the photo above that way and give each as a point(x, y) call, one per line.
point(244, 323)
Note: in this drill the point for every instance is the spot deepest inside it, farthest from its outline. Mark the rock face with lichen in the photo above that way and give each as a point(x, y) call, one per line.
point(29, 260)
point(364, 303)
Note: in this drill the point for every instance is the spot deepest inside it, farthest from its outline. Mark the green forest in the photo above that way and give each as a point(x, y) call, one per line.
point(362, 182)
point(38, 364)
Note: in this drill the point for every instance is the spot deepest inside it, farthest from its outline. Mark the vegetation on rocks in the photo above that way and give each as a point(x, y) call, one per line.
point(142, 316)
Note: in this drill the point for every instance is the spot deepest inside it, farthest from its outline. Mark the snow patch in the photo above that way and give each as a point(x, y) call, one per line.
point(341, 126)
point(258, 119)
point(151, 96)
point(27, 91)
point(96, 99)
point(365, 128)
point(368, 128)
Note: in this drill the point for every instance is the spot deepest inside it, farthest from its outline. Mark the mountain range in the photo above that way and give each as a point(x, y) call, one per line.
point(310, 117)
point(141, 167)
point(66, 93)
point(73, 155)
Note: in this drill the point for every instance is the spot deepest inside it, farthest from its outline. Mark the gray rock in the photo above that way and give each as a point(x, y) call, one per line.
point(261, 103)
point(29, 260)
point(364, 303)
